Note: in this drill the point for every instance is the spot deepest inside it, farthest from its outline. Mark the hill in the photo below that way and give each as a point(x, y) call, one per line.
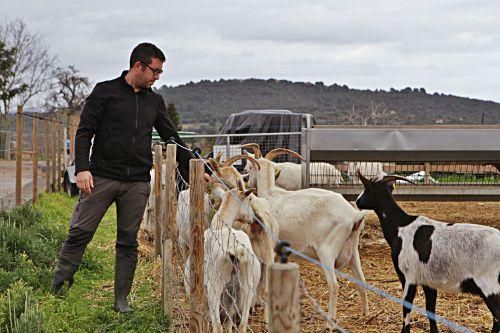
point(210, 102)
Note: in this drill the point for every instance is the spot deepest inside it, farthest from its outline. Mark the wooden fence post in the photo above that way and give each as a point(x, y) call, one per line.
point(54, 148)
point(59, 151)
point(169, 228)
point(19, 154)
point(7, 145)
point(197, 220)
point(65, 150)
point(284, 292)
point(47, 155)
point(72, 136)
point(157, 229)
point(427, 173)
point(35, 157)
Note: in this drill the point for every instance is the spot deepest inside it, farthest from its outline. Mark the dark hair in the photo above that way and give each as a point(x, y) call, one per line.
point(144, 52)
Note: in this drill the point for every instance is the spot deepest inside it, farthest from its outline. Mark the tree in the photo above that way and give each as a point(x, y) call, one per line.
point(70, 89)
point(32, 68)
point(375, 114)
point(7, 91)
point(173, 115)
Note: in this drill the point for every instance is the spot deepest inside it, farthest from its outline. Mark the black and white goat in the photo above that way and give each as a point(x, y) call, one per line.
point(435, 255)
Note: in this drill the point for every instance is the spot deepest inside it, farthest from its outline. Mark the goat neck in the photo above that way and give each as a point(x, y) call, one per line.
point(379, 198)
point(392, 217)
point(229, 210)
point(265, 178)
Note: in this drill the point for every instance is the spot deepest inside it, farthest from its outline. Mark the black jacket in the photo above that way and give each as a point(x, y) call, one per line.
point(122, 122)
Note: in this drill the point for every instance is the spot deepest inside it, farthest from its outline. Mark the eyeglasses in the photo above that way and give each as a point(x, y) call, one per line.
point(156, 72)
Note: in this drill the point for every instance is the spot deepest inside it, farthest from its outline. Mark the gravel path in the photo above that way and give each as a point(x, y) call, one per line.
point(8, 182)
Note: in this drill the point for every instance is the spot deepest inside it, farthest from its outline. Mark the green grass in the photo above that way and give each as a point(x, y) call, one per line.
point(88, 306)
point(467, 179)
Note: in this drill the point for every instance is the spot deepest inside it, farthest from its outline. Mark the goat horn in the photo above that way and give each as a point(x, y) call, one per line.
point(232, 159)
point(218, 157)
point(255, 147)
point(390, 178)
point(362, 178)
point(215, 166)
point(281, 151)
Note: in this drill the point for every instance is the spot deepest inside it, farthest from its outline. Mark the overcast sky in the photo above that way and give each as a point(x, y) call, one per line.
point(451, 47)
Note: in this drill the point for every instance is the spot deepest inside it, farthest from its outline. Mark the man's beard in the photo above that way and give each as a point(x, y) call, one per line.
point(145, 85)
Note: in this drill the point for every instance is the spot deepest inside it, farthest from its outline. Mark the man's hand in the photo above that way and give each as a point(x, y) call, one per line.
point(84, 181)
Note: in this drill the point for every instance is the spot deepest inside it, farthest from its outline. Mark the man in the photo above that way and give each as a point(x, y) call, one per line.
point(120, 115)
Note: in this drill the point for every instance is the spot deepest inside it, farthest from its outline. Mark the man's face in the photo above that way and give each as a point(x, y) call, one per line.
point(147, 74)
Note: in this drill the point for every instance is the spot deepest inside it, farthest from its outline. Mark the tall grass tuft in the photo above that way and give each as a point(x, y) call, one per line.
point(28, 247)
point(17, 313)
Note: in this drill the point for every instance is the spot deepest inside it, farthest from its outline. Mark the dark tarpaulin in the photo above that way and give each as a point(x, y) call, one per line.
point(265, 121)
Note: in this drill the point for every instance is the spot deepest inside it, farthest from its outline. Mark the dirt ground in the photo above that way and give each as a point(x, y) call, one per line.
point(384, 315)
point(8, 181)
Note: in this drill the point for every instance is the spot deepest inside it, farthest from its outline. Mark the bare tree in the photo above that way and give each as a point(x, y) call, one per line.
point(7, 91)
point(374, 114)
point(32, 66)
point(70, 89)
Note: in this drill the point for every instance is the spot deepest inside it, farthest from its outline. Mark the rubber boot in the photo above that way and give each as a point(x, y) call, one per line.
point(63, 272)
point(124, 276)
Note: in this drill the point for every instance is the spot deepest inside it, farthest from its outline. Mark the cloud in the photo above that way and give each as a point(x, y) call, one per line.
point(448, 46)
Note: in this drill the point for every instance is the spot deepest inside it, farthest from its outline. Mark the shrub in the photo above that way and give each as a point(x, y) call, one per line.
point(16, 312)
point(28, 247)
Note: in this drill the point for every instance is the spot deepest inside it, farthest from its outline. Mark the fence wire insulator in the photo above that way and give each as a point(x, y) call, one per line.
point(283, 250)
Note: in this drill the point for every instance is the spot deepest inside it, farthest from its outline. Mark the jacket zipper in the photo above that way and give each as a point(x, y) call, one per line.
point(135, 131)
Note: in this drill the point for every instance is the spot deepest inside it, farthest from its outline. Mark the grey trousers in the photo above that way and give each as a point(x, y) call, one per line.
point(130, 199)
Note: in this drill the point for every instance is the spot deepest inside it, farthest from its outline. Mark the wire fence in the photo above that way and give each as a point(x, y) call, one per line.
point(44, 139)
point(228, 247)
point(445, 180)
point(235, 270)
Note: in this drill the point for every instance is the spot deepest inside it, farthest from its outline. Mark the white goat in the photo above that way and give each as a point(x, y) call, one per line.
point(148, 216)
point(226, 171)
point(435, 255)
point(318, 222)
point(183, 224)
point(231, 268)
point(290, 174)
point(263, 242)
point(261, 234)
point(223, 171)
point(370, 169)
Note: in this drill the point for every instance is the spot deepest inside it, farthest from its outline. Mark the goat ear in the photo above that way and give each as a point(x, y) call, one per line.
point(218, 157)
point(244, 152)
point(240, 185)
point(365, 181)
point(213, 183)
point(392, 179)
point(226, 183)
point(214, 165)
point(277, 174)
point(248, 192)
